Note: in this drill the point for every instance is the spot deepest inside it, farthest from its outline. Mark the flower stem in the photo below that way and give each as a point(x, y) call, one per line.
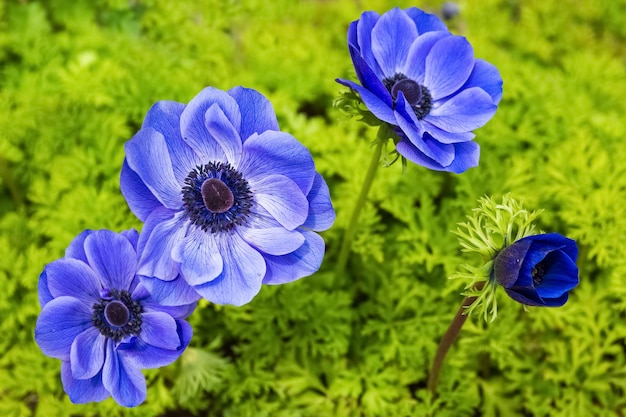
point(446, 341)
point(346, 244)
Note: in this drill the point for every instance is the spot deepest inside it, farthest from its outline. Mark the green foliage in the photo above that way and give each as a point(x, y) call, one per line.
point(76, 79)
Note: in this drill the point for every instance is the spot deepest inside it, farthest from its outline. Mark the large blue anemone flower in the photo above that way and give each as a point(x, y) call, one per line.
point(228, 200)
point(538, 270)
point(101, 321)
point(425, 82)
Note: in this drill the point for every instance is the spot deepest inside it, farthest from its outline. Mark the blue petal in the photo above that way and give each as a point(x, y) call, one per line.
point(415, 65)
point(193, 126)
point(87, 354)
point(178, 312)
point(487, 77)
point(466, 111)
point(164, 117)
point(554, 241)
point(132, 236)
point(362, 31)
point(466, 155)
point(69, 277)
point(76, 248)
point(392, 37)
point(425, 22)
point(278, 153)
point(257, 113)
point(113, 258)
point(525, 295)
point(241, 278)
point(406, 148)
point(139, 198)
point(445, 136)
point(508, 264)
point(448, 65)
point(159, 330)
point(85, 390)
point(161, 232)
point(556, 302)
point(59, 323)
point(146, 356)
point(301, 263)
point(148, 156)
point(282, 198)
point(171, 293)
point(124, 381)
point(199, 258)
point(441, 153)
point(374, 103)
point(42, 289)
point(370, 81)
point(560, 277)
point(321, 212)
point(272, 240)
point(224, 133)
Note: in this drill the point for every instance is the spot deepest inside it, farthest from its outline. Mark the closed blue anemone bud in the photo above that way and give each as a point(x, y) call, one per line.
point(425, 83)
point(538, 270)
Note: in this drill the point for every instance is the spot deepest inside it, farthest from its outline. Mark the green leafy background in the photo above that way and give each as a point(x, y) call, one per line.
point(76, 78)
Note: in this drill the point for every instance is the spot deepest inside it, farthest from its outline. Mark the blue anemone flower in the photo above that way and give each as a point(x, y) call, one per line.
point(228, 200)
point(101, 321)
point(418, 77)
point(538, 270)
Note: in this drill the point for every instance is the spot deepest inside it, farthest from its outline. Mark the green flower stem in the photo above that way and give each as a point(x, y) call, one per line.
point(346, 244)
point(446, 341)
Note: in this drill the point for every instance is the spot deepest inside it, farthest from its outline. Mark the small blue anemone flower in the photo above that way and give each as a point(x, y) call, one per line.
point(425, 82)
point(102, 323)
point(538, 270)
point(228, 200)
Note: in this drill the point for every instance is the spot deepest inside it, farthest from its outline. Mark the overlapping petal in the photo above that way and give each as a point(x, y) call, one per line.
point(82, 391)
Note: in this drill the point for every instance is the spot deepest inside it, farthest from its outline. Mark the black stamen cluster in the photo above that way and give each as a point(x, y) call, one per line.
point(537, 273)
point(133, 327)
point(425, 104)
point(195, 205)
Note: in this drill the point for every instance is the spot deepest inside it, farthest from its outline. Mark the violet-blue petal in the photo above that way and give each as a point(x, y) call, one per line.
point(224, 133)
point(241, 278)
point(159, 329)
point(76, 248)
point(147, 356)
point(193, 127)
point(415, 65)
point(303, 262)
point(444, 136)
point(124, 381)
point(375, 104)
point(273, 241)
point(60, 321)
point(508, 263)
point(525, 295)
point(139, 198)
point(448, 65)
point(42, 290)
point(282, 198)
point(278, 153)
point(425, 22)
point(556, 302)
point(561, 276)
point(171, 293)
point(87, 354)
point(321, 213)
point(164, 117)
point(407, 121)
point(132, 236)
point(392, 37)
point(256, 110)
point(406, 148)
point(161, 232)
point(466, 111)
point(70, 277)
point(363, 28)
point(487, 77)
point(112, 257)
point(82, 391)
point(199, 258)
point(369, 79)
point(466, 156)
point(554, 241)
point(148, 156)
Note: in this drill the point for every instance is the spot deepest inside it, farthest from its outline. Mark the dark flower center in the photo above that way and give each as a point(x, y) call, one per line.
point(415, 94)
point(117, 315)
point(216, 197)
point(537, 273)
